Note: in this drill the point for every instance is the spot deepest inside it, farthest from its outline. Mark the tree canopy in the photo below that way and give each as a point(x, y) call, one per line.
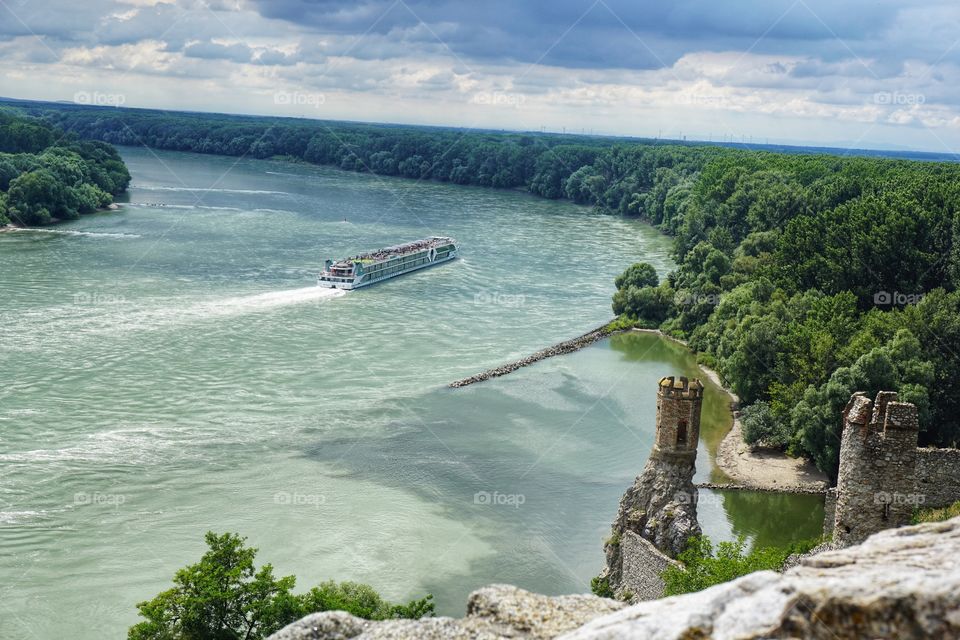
point(46, 174)
point(225, 597)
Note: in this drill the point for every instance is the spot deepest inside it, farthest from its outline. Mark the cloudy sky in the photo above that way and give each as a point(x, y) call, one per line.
point(864, 73)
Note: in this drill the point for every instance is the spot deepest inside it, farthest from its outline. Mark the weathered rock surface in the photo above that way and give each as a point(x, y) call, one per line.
point(901, 583)
point(494, 612)
point(660, 506)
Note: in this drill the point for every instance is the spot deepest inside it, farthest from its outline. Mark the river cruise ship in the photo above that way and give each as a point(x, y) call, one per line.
point(374, 266)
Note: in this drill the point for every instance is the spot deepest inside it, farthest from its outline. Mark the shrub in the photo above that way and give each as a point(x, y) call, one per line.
point(702, 567)
point(224, 597)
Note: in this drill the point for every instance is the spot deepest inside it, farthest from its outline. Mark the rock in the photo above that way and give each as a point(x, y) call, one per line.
point(494, 612)
point(534, 615)
point(901, 583)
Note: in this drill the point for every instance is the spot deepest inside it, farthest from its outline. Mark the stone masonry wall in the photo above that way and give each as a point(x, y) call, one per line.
point(642, 565)
point(938, 476)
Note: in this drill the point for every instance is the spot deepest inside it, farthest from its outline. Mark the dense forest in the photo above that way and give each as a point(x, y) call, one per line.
point(801, 277)
point(47, 175)
point(805, 278)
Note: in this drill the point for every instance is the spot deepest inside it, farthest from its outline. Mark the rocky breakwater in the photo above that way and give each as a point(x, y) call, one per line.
point(901, 583)
point(568, 346)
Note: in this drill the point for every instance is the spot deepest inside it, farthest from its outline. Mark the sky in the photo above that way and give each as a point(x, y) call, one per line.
point(846, 73)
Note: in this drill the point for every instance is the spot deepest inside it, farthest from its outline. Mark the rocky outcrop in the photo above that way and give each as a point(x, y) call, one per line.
point(497, 611)
point(901, 583)
point(660, 506)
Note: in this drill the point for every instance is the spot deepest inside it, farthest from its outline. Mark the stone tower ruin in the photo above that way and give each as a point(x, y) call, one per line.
point(878, 458)
point(658, 514)
point(678, 418)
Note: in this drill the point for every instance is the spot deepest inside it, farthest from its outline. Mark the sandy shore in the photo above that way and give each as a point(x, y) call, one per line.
point(766, 468)
point(8, 228)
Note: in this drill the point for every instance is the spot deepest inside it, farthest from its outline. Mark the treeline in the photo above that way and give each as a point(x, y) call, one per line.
point(612, 173)
point(801, 278)
point(805, 278)
point(47, 175)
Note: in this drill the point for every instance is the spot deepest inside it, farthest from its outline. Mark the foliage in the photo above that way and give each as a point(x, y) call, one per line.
point(937, 515)
point(638, 275)
point(600, 586)
point(804, 278)
point(46, 175)
point(224, 597)
point(702, 567)
point(760, 426)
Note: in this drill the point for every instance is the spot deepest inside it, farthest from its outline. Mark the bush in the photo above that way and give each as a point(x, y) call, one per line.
point(702, 568)
point(224, 597)
point(601, 587)
point(760, 426)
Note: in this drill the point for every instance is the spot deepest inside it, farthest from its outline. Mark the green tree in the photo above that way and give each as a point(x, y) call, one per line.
point(638, 275)
point(224, 597)
point(702, 567)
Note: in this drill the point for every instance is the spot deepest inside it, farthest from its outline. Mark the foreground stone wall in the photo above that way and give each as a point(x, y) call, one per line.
point(900, 584)
point(938, 476)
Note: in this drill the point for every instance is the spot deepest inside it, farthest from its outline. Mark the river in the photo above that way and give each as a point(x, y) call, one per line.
point(171, 368)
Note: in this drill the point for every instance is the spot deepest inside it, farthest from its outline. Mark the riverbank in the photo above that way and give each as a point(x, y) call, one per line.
point(747, 467)
point(113, 206)
point(766, 469)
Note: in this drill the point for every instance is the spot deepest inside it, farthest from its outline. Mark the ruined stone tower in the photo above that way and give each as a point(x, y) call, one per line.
point(878, 457)
point(661, 506)
point(678, 419)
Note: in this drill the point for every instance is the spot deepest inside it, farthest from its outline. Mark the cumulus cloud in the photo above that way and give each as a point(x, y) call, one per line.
point(758, 65)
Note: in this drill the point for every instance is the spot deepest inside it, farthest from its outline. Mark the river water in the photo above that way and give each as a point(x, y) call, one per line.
point(171, 369)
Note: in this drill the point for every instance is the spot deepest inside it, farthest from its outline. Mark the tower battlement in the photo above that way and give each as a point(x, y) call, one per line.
point(680, 387)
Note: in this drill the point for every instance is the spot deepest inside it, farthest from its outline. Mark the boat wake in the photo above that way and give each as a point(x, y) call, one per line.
point(273, 300)
point(73, 232)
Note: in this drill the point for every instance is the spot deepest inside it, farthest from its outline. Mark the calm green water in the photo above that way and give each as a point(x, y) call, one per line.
point(173, 369)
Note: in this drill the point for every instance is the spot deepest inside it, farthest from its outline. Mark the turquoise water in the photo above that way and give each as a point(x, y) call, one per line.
point(173, 369)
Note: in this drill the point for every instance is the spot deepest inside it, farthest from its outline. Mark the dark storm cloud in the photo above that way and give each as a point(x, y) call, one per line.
point(639, 34)
point(214, 51)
